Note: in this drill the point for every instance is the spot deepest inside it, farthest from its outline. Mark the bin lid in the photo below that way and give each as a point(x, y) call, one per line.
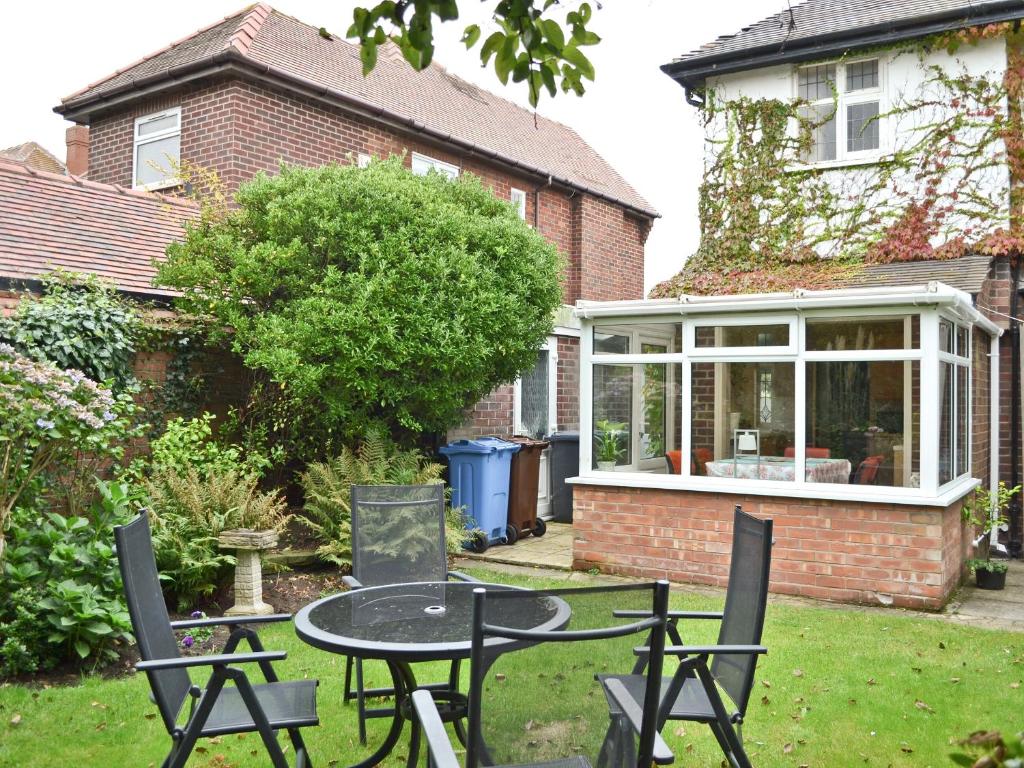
point(529, 442)
point(479, 445)
point(559, 437)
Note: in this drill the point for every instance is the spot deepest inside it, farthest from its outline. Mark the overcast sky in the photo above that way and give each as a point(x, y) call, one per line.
point(634, 115)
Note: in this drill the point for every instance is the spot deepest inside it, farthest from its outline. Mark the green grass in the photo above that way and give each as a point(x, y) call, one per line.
point(838, 688)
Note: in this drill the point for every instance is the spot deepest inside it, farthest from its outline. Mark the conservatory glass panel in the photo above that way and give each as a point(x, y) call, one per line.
point(613, 415)
point(710, 336)
point(947, 406)
point(742, 420)
point(844, 333)
point(863, 423)
point(962, 427)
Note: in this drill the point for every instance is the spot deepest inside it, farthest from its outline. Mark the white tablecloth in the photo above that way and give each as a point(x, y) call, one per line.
point(776, 468)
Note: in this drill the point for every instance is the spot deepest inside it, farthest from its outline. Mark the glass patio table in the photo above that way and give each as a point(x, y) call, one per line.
point(780, 468)
point(402, 624)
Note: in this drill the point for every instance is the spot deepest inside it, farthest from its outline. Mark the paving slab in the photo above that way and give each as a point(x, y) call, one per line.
point(552, 550)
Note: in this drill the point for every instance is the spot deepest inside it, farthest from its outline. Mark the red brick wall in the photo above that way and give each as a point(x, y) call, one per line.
point(611, 252)
point(491, 416)
point(890, 554)
point(568, 387)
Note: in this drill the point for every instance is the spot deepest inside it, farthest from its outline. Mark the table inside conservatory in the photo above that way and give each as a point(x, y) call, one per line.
point(779, 468)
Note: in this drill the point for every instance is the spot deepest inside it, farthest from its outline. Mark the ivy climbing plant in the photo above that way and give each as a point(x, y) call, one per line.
point(771, 221)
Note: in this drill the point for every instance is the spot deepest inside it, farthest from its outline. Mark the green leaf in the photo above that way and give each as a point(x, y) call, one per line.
point(471, 35)
point(553, 33)
point(576, 57)
point(368, 55)
point(82, 648)
point(491, 46)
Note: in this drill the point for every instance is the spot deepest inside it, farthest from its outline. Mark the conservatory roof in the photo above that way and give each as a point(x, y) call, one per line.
point(932, 294)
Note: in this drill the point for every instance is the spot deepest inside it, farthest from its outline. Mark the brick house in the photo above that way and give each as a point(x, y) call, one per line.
point(859, 406)
point(259, 88)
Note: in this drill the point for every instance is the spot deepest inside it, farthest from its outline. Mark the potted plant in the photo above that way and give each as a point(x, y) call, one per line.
point(608, 447)
point(985, 510)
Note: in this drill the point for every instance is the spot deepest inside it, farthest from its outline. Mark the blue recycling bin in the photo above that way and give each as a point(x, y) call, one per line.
point(478, 473)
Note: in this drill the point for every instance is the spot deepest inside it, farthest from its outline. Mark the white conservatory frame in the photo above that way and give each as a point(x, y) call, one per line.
point(930, 303)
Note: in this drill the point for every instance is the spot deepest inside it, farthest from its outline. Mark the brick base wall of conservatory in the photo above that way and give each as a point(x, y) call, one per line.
point(870, 553)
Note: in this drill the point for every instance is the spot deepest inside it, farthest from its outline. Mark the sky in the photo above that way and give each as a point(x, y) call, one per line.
point(633, 114)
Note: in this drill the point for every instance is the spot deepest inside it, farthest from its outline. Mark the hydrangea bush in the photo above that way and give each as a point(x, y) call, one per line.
point(49, 419)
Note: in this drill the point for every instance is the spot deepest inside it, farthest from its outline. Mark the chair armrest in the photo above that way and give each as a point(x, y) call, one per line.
point(352, 582)
point(635, 614)
point(230, 621)
point(438, 744)
point(216, 660)
point(662, 754)
point(460, 576)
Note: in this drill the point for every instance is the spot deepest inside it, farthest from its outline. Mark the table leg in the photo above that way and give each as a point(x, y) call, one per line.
point(399, 678)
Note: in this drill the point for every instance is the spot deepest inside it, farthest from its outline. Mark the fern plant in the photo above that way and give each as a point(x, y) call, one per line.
point(375, 461)
point(189, 511)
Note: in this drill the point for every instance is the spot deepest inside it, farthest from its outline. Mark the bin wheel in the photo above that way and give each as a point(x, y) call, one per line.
point(540, 528)
point(479, 543)
point(511, 534)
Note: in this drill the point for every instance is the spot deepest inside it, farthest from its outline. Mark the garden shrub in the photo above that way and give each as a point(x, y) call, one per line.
point(375, 461)
point(77, 323)
point(56, 424)
point(61, 594)
point(369, 296)
point(190, 510)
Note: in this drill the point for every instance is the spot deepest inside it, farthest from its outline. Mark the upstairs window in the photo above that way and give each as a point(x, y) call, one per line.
point(518, 198)
point(422, 165)
point(843, 102)
point(157, 150)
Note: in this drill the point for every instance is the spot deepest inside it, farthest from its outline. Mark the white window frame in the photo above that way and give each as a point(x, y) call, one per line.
point(926, 355)
point(958, 361)
point(363, 159)
point(138, 141)
point(518, 199)
point(841, 102)
point(551, 346)
point(423, 164)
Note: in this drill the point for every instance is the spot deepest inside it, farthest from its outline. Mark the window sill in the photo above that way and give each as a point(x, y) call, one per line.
point(864, 494)
point(836, 165)
point(157, 186)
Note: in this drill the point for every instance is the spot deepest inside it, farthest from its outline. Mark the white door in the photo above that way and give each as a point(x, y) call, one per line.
point(535, 411)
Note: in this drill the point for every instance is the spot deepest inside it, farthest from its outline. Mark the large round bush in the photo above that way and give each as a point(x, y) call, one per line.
point(372, 295)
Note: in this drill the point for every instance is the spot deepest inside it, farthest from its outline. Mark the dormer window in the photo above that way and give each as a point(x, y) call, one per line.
point(843, 103)
point(157, 150)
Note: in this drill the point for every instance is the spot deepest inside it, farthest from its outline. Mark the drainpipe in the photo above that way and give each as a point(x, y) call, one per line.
point(536, 202)
point(1015, 537)
point(993, 430)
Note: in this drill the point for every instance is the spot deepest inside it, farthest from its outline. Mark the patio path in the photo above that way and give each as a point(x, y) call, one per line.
point(552, 550)
point(1003, 609)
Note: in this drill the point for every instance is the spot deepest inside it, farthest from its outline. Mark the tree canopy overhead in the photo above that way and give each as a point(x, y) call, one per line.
point(528, 44)
point(370, 296)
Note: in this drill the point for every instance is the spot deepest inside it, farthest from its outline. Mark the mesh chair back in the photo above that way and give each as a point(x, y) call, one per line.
point(398, 534)
point(745, 603)
point(537, 700)
point(150, 622)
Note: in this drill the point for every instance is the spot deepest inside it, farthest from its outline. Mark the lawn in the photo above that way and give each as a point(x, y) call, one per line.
point(839, 687)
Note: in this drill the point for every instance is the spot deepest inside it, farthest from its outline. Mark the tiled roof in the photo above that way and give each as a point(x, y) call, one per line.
point(33, 155)
point(966, 273)
point(50, 222)
point(435, 101)
point(810, 22)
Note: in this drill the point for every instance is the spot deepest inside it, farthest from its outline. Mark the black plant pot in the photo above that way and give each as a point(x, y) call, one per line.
point(990, 579)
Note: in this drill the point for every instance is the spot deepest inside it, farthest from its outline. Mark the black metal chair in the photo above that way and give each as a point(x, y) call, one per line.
point(217, 709)
point(692, 693)
point(536, 701)
point(398, 537)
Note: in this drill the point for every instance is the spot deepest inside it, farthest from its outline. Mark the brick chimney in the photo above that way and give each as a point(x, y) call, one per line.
point(77, 138)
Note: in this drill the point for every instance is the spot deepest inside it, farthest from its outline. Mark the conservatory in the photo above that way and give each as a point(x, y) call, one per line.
point(858, 418)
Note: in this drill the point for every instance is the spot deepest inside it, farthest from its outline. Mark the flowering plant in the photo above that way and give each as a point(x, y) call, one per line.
point(196, 634)
point(51, 418)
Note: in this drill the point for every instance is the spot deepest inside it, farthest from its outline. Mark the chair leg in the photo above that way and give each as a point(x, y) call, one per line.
point(361, 701)
point(299, 745)
point(735, 752)
point(183, 749)
point(259, 717)
point(348, 680)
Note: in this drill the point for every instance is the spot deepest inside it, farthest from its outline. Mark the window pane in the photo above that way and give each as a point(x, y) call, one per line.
point(814, 83)
point(613, 415)
point(945, 336)
point(822, 120)
point(149, 127)
point(963, 347)
point(421, 166)
point(742, 335)
point(653, 409)
point(947, 405)
point(861, 75)
point(834, 335)
point(962, 412)
point(862, 127)
point(863, 422)
point(654, 339)
point(157, 160)
point(742, 420)
point(534, 397)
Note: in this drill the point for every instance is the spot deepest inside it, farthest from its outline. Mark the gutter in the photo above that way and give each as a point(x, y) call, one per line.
point(35, 285)
point(692, 73)
point(230, 61)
